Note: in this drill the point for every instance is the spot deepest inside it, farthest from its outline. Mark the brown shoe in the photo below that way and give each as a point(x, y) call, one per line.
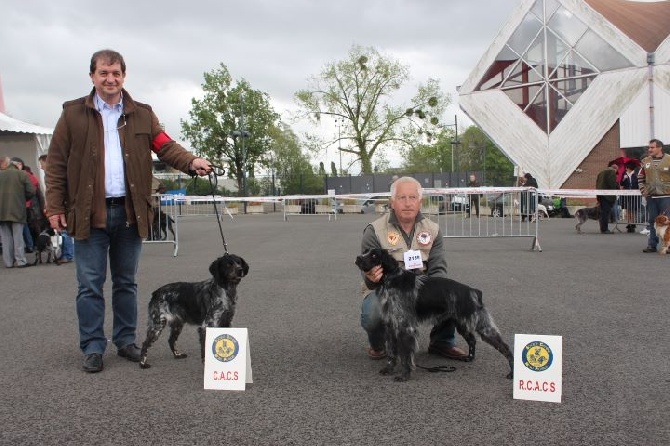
point(376, 354)
point(448, 352)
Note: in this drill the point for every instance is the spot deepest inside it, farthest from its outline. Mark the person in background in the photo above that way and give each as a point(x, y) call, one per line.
point(15, 189)
point(630, 203)
point(33, 206)
point(67, 243)
point(606, 180)
point(98, 178)
point(401, 229)
point(528, 198)
point(654, 181)
point(474, 198)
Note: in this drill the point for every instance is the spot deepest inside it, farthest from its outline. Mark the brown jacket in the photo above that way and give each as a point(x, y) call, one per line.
point(75, 176)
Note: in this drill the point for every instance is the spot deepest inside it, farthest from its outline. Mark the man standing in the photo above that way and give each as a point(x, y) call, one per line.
point(99, 188)
point(654, 181)
point(474, 198)
point(15, 189)
point(401, 230)
point(606, 180)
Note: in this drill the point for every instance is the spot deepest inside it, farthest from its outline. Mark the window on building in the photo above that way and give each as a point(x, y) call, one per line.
point(549, 62)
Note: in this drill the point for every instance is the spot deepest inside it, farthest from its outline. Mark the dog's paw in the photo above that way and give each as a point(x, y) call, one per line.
point(144, 365)
point(179, 355)
point(401, 378)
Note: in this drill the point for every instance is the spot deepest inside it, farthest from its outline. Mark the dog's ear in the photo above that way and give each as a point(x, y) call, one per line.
point(214, 269)
point(245, 266)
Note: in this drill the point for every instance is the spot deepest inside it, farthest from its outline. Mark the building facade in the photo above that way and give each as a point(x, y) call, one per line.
point(568, 85)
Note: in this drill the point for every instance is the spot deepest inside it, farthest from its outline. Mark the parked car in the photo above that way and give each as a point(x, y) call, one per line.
point(500, 204)
point(459, 203)
point(369, 206)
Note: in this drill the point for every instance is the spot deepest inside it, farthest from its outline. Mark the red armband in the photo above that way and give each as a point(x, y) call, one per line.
point(159, 140)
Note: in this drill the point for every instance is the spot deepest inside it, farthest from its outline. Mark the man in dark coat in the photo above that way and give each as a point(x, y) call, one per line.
point(606, 180)
point(15, 189)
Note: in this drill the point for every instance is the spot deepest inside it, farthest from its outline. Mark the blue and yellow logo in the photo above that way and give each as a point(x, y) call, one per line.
point(537, 356)
point(225, 348)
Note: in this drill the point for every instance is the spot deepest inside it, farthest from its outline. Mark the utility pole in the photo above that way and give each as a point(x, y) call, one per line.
point(339, 122)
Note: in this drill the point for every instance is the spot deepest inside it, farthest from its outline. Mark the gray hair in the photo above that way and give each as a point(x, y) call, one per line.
point(419, 188)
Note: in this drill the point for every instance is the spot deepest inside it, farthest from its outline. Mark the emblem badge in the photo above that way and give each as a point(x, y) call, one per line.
point(393, 238)
point(424, 238)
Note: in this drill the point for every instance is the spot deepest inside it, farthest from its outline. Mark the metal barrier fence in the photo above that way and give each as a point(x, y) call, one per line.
point(481, 212)
point(486, 212)
point(165, 227)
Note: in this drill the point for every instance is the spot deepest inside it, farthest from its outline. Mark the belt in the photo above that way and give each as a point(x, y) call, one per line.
point(115, 201)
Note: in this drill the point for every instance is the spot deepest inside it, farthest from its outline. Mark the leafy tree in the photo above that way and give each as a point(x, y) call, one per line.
point(475, 152)
point(230, 125)
point(358, 91)
point(478, 152)
point(292, 167)
point(434, 157)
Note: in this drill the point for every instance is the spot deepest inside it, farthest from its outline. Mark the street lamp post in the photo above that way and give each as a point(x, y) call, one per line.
point(339, 122)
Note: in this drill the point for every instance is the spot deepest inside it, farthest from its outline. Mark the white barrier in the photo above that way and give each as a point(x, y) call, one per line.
point(165, 227)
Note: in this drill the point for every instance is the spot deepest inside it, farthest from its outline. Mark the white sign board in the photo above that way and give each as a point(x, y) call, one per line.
point(538, 368)
point(227, 359)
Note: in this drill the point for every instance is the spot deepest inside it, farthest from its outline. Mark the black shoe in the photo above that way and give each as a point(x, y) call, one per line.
point(649, 249)
point(29, 250)
point(92, 363)
point(606, 232)
point(26, 265)
point(131, 352)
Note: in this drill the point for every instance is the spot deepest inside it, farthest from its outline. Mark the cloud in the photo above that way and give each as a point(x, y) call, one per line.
point(276, 46)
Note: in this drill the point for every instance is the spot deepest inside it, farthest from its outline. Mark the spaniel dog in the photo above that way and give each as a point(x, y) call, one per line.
point(408, 299)
point(44, 244)
point(661, 225)
point(210, 303)
point(585, 214)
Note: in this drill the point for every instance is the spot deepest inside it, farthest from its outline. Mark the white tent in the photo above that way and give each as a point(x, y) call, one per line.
point(26, 141)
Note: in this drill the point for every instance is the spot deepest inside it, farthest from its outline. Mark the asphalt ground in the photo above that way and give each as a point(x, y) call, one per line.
point(313, 382)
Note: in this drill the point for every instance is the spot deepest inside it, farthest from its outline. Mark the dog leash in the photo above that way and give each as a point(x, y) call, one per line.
point(438, 368)
point(217, 171)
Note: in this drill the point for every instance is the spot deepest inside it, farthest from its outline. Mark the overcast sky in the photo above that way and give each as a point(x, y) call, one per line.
point(45, 46)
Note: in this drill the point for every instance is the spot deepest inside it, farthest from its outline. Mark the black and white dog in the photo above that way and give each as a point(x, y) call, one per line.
point(210, 303)
point(408, 299)
point(44, 244)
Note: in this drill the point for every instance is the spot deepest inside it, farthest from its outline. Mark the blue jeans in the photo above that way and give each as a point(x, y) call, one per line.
point(123, 245)
point(371, 321)
point(28, 238)
point(655, 207)
point(68, 246)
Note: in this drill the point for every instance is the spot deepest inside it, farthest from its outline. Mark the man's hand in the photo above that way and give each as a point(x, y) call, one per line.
point(200, 166)
point(375, 274)
point(58, 222)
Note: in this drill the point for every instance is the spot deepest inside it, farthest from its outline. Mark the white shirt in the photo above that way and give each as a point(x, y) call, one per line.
point(115, 183)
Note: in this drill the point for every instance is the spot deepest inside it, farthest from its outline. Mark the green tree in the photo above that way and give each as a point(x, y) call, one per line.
point(435, 157)
point(477, 152)
point(358, 92)
point(230, 125)
point(291, 166)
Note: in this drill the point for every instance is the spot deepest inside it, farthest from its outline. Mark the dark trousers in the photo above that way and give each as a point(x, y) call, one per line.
point(605, 212)
point(474, 202)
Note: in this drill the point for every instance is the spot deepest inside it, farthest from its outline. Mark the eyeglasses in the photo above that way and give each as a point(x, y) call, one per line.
point(119, 127)
point(124, 122)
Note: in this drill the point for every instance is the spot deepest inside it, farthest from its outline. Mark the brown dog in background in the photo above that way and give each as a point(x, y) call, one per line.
point(661, 224)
